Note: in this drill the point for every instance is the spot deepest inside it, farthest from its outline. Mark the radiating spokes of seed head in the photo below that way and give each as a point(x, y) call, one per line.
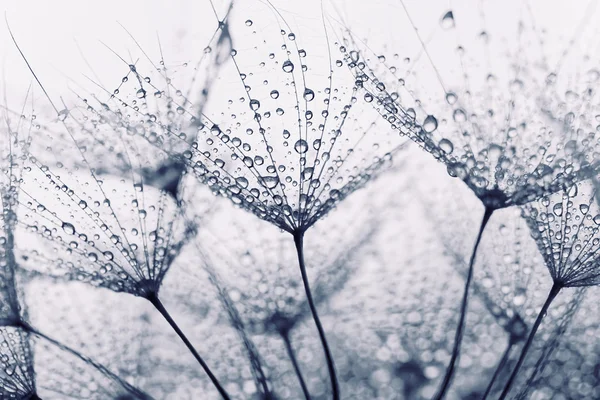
point(17, 374)
point(281, 134)
point(566, 228)
point(476, 108)
point(115, 222)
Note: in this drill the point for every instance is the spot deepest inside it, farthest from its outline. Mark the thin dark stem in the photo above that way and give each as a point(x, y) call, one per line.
point(499, 368)
point(292, 355)
point(161, 309)
point(34, 396)
point(463, 310)
point(299, 242)
point(556, 287)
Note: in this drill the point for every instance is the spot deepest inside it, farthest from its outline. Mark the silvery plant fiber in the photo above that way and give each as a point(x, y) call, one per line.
point(316, 199)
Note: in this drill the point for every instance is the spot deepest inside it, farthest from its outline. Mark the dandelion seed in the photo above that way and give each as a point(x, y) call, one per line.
point(491, 128)
point(567, 236)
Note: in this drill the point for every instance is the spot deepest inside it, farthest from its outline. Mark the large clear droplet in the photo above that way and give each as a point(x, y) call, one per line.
point(287, 66)
point(430, 124)
point(309, 95)
point(269, 181)
point(301, 146)
point(447, 21)
point(459, 115)
point(446, 146)
point(68, 228)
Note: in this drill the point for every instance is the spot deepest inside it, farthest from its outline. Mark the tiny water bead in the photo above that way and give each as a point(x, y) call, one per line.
point(270, 182)
point(451, 98)
point(459, 115)
point(309, 95)
point(63, 114)
point(287, 66)
point(447, 21)
point(254, 105)
point(430, 124)
point(301, 146)
point(68, 228)
point(446, 146)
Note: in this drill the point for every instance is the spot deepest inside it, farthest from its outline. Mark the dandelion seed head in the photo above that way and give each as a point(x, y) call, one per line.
point(565, 228)
point(488, 128)
point(282, 136)
point(118, 227)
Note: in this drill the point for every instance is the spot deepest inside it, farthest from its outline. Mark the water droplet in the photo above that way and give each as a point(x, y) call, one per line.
point(254, 104)
point(558, 209)
point(287, 66)
point(447, 21)
point(451, 98)
point(249, 22)
point(430, 124)
point(309, 95)
point(274, 94)
point(459, 115)
point(301, 146)
point(446, 146)
point(62, 115)
point(68, 228)
point(269, 181)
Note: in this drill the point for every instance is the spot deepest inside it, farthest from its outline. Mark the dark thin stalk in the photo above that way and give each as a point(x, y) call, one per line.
point(161, 309)
point(299, 242)
point(499, 368)
point(292, 355)
point(556, 287)
point(463, 310)
point(34, 396)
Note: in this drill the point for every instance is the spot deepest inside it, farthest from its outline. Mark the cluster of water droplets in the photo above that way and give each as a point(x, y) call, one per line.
point(479, 115)
point(92, 225)
point(566, 228)
point(282, 134)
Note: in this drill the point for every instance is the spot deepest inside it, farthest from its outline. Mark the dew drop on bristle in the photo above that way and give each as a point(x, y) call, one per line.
point(309, 95)
point(269, 181)
point(68, 228)
point(287, 66)
point(430, 124)
point(301, 146)
point(446, 146)
point(62, 115)
point(447, 21)
point(451, 98)
point(459, 115)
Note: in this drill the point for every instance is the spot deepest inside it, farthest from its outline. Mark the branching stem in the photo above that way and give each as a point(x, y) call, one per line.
point(556, 287)
point(299, 242)
point(161, 309)
point(463, 311)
